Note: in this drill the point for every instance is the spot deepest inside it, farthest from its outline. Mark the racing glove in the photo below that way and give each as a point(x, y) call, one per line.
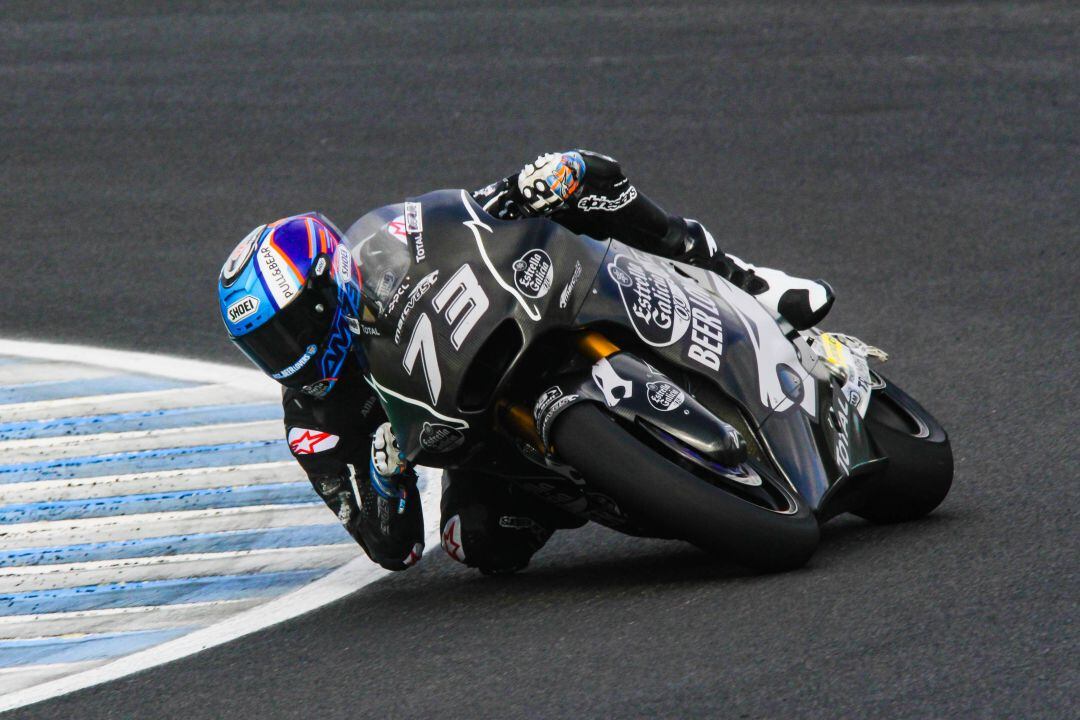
point(549, 181)
point(390, 519)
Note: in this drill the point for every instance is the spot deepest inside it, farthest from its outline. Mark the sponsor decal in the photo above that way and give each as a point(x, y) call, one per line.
point(605, 204)
point(239, 256)
point(533, 273)
point(414, 228)
point(319, 388)
point(303, 441)
point(320, 267)
point(242, 308)
point(614, 387)
point(544, 401)
point(353, 323)
point(451, 539)
point(385, 283)
point(343, 265)
point(664, 396)
point(440, 438)
point(425, 284)
point(370, 330)
point(657, 307)
point(564, 296)
point(843, 440)
point(706, 328)
point(552, 412)
point(415, 554)
point(280, 280)
point(397, 295)
point(396, 228)
point(300, 362)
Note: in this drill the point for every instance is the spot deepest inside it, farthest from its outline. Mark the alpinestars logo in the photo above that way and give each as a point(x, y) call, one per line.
point(606, 204)
point(308, 442)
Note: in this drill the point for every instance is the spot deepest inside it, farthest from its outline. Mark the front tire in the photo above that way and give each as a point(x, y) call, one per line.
point(656, 491)
point(920, 468)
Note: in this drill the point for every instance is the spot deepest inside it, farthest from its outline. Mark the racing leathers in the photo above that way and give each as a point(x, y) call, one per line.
point(345, 445)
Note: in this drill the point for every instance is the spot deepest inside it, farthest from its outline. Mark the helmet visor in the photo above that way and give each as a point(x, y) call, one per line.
point(286, 346)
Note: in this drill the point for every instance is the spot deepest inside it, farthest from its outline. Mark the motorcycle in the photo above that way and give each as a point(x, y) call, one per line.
point(606, 381)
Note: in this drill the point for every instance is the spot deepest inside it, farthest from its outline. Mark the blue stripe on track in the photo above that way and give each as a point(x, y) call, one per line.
point(289, 493)
point(36, 392)
point(156, 592)
point(95, 646)
point(144, 420)
point(259, 539)
point(242, 453)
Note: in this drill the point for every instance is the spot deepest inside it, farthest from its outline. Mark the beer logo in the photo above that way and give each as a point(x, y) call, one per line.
point(533, 273)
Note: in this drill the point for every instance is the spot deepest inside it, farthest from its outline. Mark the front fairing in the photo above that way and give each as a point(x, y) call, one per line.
point(697, 320)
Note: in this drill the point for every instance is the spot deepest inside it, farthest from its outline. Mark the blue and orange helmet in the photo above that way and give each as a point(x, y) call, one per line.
point(290, 299)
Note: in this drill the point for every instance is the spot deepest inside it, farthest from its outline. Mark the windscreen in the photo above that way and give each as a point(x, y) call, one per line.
point(380, 245)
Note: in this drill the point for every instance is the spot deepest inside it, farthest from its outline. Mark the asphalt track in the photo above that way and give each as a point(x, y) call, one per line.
point(922, 156)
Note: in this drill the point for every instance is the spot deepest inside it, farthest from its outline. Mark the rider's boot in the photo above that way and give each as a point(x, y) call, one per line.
point(489, 525)
point(803, 303)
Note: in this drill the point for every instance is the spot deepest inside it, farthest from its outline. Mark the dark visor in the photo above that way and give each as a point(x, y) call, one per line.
point(286, 346)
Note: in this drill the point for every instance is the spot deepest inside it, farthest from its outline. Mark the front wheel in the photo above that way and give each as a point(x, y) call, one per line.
point(920, 463)
point(653, 486)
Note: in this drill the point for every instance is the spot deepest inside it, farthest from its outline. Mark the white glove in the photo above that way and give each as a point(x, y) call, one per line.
point(385, 455)
point(550, 180)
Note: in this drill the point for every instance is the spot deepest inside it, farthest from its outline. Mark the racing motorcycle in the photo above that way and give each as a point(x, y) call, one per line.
point(606, 381)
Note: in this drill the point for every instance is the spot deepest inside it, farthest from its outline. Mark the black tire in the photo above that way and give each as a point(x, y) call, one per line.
point(648, 486)
point(920, 468)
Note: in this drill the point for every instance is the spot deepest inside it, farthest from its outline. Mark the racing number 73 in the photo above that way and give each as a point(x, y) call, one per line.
point(463, 301)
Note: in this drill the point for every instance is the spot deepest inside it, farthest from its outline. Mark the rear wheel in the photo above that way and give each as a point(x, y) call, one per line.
point(766, 529)
point(920, 468)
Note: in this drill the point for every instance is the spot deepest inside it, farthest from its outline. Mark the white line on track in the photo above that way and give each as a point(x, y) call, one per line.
point(217, 394)
point(30, 450)
point(144, 525)
point(143, 617)
point(159, 481)
point(221, 384)
point(233, 562)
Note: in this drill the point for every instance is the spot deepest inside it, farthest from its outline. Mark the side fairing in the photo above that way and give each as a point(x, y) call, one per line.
point(698, 320)
point(441, 277)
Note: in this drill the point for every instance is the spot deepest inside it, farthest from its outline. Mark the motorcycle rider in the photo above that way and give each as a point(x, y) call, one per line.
point(304, 332)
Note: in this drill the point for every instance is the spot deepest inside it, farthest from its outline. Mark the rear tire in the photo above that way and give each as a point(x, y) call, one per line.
point(920, 468)
point(658, 492)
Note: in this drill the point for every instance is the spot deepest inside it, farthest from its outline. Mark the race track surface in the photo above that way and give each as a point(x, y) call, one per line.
point(921, 156)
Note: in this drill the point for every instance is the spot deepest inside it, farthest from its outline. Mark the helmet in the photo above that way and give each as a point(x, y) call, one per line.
point(290, 300)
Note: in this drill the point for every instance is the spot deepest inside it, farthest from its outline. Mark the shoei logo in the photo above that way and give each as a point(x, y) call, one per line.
point(301, 362)
point(242, 308)
point(239, 256)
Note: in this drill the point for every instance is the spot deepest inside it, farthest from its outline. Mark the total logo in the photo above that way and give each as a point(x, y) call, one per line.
point(242, 308)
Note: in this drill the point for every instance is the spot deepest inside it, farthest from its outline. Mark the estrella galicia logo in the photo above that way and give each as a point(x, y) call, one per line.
point(440, 438)
point(664, 396)
point(657, 307)
point(533, 273)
